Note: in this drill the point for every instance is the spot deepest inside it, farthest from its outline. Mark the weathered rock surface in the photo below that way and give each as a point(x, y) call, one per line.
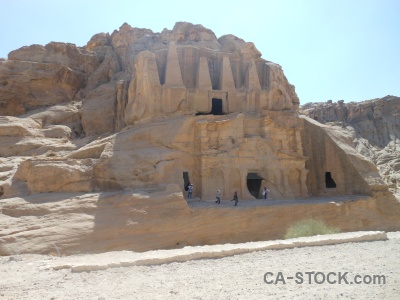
point(373, 128)
point(98, 112)
point(26, 85)
point(64, 54)
point(71, 175)
point(97, 222)
point(131, 119)
point(169, 74)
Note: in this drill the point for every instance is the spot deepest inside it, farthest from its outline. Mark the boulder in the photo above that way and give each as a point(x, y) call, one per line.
point(50, 175)
point(26, 85)
point(65, 54)
point(98, 110)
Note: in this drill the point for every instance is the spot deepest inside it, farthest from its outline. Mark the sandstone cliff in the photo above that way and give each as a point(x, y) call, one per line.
point(99, 143)
point(180, 64)
point(78, 99)
point(374, 128)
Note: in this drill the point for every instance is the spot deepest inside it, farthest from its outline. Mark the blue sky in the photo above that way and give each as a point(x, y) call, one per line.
point(340, 49)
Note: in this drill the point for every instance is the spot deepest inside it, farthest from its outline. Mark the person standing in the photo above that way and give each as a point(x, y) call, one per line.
point(235, 198)
point(190, 191)
point(218, 196)
point(265, 193)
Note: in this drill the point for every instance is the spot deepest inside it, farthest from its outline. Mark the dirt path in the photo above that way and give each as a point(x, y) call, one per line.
point(235, 277)
point(247, 203)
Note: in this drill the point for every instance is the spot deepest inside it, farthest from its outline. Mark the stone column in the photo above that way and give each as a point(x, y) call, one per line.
point(173, 74)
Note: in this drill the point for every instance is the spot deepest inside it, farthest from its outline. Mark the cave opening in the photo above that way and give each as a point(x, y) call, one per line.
point(329, 182)
point(254, 184)
point(216, 108)
point(186, 181)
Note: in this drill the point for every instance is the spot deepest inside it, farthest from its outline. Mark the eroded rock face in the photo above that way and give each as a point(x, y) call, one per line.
point(149, 113)
point(216, 152)
point(135, 77)
point(53, 175)
point(98, 110)
point(180, 61)
point(25, 85)
point(72, 223)
point(374, 128)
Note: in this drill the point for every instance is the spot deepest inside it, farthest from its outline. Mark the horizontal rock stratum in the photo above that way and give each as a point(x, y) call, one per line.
point(98, 145)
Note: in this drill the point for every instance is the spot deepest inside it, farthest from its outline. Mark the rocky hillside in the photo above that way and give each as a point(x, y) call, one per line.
point(98, 145)
point(374, 126)
point(62, 109)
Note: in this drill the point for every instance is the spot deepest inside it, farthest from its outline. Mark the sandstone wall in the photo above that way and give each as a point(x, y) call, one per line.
point(178, 70)
point(140, 221)
point(373, 129)
point(53, 175)
point(156, 83)
point(325, 155)
point(188, 78)
point(26, 85)
point(217, 152)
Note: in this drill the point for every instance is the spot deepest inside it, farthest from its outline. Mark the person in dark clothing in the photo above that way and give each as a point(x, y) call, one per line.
point(265, 193)
point(218, 196)
point(235, 198)
point(190, 191)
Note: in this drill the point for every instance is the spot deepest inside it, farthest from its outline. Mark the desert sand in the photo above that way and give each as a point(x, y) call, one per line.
point(32, 276)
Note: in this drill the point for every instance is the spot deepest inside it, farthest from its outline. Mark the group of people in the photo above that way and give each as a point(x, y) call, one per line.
point(218, 195)
point(236, 198)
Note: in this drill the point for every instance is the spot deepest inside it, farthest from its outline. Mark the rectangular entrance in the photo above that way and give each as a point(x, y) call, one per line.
point(216, 106)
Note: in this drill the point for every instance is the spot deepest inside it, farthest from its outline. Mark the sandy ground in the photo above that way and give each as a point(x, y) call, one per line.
point(247, 203)
point(235, 277)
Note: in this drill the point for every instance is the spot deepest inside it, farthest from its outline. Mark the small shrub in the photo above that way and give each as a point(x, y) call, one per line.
point(309, 227)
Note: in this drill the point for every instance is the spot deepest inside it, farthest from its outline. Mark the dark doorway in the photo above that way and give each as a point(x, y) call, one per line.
point(254, 184)
point(216, 106)
point(186, 180)
point(329, 182)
